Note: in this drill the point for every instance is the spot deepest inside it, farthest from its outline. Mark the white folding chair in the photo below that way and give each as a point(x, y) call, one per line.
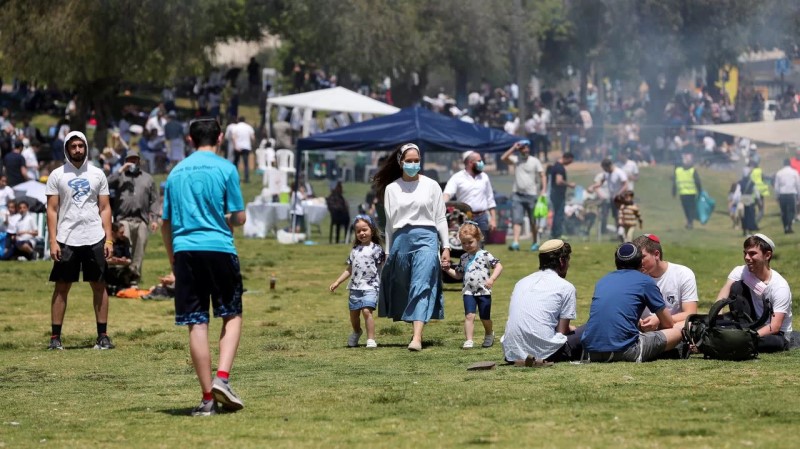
point(285, 160)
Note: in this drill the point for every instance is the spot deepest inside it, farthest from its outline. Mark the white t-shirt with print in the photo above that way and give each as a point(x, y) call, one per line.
point(778, 293)
point(78, 190)
point(476, 271)
point(677, 285)
point(365, 266)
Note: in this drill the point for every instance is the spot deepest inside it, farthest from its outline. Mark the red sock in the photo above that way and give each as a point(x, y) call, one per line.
point(207, 396)
point(224, 375)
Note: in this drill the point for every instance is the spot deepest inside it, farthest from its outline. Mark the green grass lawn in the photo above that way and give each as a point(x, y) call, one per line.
point(303, 387)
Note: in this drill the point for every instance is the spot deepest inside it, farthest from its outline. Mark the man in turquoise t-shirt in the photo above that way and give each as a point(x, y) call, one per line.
point(202, 204)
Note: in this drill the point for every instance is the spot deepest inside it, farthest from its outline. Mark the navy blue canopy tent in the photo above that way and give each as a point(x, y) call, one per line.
point(429, 130)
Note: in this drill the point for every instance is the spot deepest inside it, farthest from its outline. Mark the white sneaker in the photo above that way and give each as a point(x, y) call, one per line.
point(488, 340)
point(468, 344)
point(352, 340)
point(372, 343)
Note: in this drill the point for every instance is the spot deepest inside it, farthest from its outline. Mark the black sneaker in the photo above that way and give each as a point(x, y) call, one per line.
point(55, 344)
point(223, 393)
point(103, 342)
point(206, 408)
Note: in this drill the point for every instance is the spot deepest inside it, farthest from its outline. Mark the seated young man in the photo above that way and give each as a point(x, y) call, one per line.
point(120, 274)
point(541, 308)
point(764, 283)
point(612, 333)
point(24, 229)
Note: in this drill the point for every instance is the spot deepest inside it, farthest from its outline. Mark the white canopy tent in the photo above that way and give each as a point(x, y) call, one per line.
point(779, 132)
point(333, 99)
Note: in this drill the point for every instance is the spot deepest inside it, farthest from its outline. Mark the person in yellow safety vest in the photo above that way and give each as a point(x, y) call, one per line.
point(686, 184)
point(757, 175)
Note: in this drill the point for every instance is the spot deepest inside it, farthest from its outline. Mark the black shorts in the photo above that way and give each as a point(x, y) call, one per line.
point(90, 258)
point(204, 278)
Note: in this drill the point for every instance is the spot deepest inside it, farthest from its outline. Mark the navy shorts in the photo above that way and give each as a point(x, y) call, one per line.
point(89, 258)
point(478, 303)
point(204, 278)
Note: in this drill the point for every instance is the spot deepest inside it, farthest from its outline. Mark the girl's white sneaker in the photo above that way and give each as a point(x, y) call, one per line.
point(468, 344)
point(372, 343)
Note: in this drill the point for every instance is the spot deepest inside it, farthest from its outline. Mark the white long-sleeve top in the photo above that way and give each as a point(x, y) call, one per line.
point(416, 203)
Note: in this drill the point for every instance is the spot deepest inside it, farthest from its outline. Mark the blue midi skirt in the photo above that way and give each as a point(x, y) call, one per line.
point(411, 280)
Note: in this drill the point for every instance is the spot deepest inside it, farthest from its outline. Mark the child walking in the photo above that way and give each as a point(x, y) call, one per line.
point(629, 216)
point(364, 264)
point(474, 269)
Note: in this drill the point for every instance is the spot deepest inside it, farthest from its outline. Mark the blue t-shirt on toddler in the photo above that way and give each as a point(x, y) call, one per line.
point(200, 190)
point(618, 301)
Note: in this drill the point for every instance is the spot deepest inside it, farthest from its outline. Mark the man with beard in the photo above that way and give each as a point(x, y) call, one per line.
point(79, 225)
point(764, 283)
point(473, 187)
point(136, 206)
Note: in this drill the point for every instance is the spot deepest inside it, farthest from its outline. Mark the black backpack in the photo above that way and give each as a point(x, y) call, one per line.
point(732, 336)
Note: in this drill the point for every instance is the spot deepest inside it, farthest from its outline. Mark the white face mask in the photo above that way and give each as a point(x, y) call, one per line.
point(411, 168)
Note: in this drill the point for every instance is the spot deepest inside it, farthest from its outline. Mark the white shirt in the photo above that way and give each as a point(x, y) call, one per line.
point(614, 181)
point(415, 203)
point(23, 224)
point(475, 191)
point(78, 190)
point(156, 123)
point(677, 285)
point(540, 121)
point(538, 302)
point(787, 181)
point(631, 171)
point(778, 293)
point(709, 143)
point(30, 158)
point(242, 135)
point(526, 174)
point(6, 193)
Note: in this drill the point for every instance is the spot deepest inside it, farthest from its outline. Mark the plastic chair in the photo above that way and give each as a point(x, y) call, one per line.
point(285, 160)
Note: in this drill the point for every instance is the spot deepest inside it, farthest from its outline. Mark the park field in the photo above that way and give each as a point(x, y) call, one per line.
point(303, 388)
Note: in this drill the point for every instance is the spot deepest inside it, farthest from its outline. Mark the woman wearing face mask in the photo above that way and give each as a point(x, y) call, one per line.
point(411, 281)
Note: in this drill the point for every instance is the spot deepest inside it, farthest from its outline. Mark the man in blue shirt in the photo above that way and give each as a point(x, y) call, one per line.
point(202, 204)
point(612, 333)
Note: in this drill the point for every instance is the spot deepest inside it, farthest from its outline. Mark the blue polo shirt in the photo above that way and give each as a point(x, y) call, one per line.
point(200, 190)
point(618, 301)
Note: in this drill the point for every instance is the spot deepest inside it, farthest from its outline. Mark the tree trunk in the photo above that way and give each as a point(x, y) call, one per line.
point(405, 93)
point(462, 76)
point(519, 63)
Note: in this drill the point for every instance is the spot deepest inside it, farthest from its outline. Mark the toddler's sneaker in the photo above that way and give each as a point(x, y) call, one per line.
point(352, 340)
point(372, 343)
point(469, 344)
point(488, 341)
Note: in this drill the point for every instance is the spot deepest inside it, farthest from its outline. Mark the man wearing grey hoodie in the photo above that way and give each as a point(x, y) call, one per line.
point(79, 225)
